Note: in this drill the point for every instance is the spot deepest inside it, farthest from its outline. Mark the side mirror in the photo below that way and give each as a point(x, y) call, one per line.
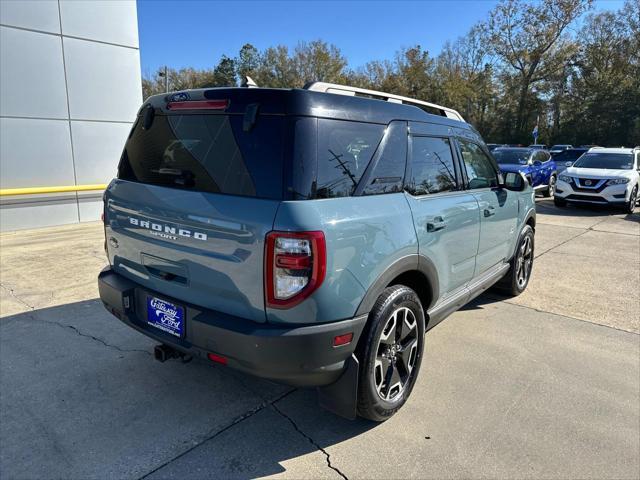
point(568, 164)
point(515, 181)
point(537, 163)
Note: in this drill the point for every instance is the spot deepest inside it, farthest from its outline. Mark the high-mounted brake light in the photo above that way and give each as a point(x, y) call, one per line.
point(199, 105)
point(295, 266)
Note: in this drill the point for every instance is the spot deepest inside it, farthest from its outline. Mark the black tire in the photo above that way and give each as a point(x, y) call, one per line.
point(515, 282)
point(378, 398)
point(631, 204)
point(551, 188)
point(559, 202)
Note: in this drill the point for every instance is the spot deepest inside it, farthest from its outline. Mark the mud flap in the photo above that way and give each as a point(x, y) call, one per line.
point(341, 397)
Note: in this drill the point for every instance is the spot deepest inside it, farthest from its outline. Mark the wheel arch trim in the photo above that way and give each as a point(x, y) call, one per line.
point(409, 263)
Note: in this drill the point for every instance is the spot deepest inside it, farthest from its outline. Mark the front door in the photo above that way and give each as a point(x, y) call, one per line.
point(445, 216)
point(498, 207)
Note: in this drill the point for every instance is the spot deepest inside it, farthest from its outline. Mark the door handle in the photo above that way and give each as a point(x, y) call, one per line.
point(438, 223)
point(489, 211)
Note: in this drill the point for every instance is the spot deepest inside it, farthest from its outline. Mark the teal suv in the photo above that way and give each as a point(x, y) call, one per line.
point(308, 236)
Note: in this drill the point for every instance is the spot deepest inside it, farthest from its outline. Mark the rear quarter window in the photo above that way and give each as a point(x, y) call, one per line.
point(344, 152)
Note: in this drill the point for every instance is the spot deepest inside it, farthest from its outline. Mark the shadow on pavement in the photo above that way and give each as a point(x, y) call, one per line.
point(487, 298)
point(82, 397)
point(547, 207)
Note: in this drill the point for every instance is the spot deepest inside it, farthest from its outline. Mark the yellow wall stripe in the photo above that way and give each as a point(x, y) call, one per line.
point(40, 190)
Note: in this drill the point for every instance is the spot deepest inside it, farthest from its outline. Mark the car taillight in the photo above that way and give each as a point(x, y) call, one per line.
point(295, 266)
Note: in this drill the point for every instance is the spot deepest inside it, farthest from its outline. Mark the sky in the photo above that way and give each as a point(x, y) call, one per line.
point(196, 33)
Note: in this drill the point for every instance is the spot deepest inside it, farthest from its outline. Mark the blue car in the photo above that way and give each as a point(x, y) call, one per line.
point(536, 164)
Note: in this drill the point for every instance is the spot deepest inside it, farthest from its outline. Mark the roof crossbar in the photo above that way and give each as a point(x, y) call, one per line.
point(389, 97)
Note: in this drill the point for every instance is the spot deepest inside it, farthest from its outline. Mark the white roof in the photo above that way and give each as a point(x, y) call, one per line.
point(611, 150)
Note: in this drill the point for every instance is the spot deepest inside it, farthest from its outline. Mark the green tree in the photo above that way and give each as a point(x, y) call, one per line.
point(318, 61)
point(224, 75)
point(603, 101)
point(530, 40)
point(248, 61)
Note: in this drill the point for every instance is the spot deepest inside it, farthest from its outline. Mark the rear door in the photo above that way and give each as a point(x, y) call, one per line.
point(541, 168)
point(445, 216)
point(197, 193)
point(498, 206)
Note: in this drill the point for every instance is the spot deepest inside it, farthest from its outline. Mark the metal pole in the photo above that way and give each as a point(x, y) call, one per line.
point(166, 80)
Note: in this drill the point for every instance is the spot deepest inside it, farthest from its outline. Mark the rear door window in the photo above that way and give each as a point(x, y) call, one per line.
point(208, 153)
point(432, 166)
point(542, 156)
point(344, 152)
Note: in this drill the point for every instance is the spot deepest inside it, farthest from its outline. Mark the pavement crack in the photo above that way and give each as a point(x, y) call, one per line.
point(586, 230)
point(211, 435)
point(539, 310)
point(311, 440)
point(13, 294)
point(87, 335)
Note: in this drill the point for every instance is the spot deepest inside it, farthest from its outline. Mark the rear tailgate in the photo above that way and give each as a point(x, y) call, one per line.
point(199, 183)
point(206, 249)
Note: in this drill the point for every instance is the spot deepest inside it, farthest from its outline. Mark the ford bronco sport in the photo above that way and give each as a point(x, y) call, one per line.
point(309, 236)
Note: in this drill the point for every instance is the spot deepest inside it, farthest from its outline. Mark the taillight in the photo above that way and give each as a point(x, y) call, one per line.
point(295, 266)
point(199, 105)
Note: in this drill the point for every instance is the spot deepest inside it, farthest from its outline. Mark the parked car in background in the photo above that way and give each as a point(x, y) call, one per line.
point(538, 146)
point(493, 146)
point(559, 148)
point(292, 237)
point(566, 158)
point(536, 164)
point(602, 176)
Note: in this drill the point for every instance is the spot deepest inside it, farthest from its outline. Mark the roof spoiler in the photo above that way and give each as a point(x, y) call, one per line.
point(388, 97)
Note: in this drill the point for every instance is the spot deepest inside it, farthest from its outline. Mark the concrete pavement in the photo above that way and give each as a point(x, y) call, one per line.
point(543, 385)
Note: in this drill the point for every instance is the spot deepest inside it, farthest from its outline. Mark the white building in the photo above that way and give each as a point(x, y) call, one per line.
point(70, 87)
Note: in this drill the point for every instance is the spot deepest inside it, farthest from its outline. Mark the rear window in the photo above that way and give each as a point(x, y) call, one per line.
point(207, 153)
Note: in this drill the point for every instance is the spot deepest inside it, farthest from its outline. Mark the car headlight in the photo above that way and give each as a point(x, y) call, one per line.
point(618, 181)
point(565, 178)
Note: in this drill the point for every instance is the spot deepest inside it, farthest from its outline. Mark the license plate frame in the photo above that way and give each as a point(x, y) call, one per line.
point(166, 316)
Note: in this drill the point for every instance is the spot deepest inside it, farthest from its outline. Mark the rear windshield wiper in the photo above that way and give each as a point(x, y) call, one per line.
point(184, 178)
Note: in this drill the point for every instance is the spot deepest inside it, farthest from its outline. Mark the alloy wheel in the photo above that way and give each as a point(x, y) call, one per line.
point(524, 262)
point(396, 354)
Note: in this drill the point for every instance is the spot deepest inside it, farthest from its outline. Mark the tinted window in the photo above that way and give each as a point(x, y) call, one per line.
point(344, 152)
point(388, 165)
point(478, 165)
point(432, 168)
point(541, 156)
point(208, 153)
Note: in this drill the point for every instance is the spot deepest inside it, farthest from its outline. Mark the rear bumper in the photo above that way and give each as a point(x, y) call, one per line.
point(299, 356)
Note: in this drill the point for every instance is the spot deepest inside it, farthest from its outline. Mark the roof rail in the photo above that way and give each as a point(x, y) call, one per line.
point(389, 97)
